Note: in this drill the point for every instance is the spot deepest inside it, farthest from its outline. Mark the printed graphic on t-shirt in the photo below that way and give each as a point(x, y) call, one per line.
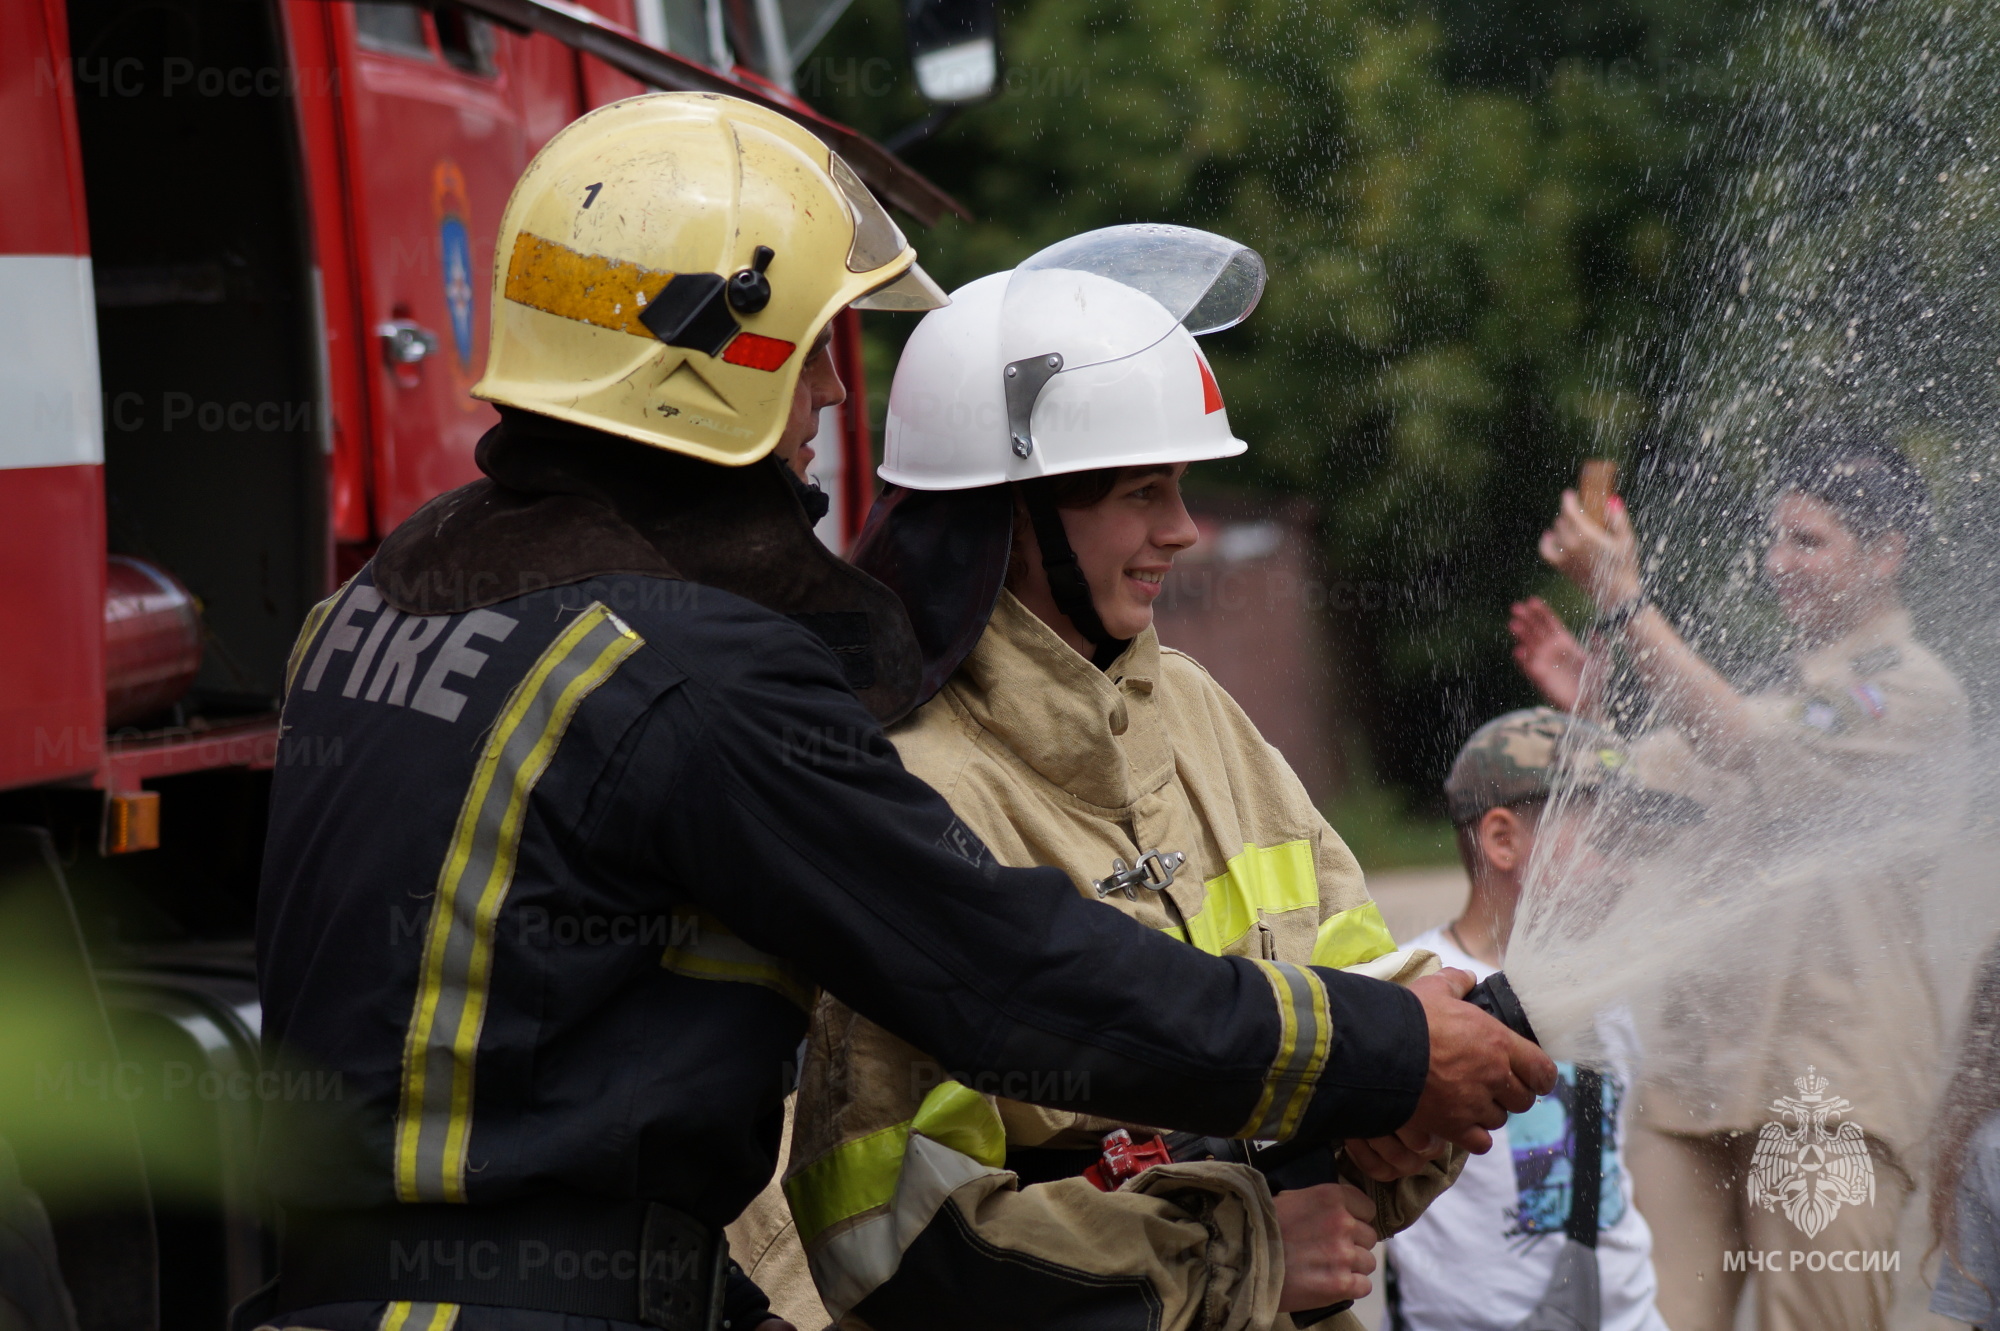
point(1543, 1141)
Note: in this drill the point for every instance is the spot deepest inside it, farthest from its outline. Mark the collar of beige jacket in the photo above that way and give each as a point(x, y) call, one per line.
point(1093, 733)
point(1836, 660)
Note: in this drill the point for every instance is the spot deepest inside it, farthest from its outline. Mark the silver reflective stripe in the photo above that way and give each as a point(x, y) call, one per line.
point(1305, 1036)
point(315, 617)
point(858, 1260)
point(434, 1122)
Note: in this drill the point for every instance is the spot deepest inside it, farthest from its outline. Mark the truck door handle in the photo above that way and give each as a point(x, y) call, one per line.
point(405, 342)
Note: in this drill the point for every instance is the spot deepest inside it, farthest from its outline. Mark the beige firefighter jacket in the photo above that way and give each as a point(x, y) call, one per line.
point(1051, 761)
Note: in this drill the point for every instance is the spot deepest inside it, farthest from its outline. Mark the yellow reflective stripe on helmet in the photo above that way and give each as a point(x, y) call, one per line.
point(861, 1175)
point(712, 952)
point(315, 617)
point(1353, 936)
point(1266, 880)
point(402, 1316)
point(589, 288)
point(434, 1119)
point(1305, 1034)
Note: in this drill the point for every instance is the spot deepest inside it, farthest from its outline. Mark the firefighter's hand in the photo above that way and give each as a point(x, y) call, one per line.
point(1327, 1238)
point(1480, 1070)
point(1401, 1155)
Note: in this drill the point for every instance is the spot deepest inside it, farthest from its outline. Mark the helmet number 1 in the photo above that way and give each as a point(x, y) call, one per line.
point(590, 193)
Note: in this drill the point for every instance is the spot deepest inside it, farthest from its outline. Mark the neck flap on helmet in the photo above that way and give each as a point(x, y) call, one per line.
point(944, 553)
point(564, 503)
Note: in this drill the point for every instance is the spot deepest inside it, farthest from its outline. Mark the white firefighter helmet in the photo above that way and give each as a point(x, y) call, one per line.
point(1083, 357)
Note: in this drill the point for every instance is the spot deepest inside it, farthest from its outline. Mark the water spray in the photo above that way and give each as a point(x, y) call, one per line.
point(1791, 972)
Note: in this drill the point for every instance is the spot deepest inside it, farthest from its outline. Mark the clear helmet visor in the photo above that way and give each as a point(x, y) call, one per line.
point(1195, 279)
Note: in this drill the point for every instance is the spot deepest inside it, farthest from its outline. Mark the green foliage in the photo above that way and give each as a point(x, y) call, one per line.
point(1842, 273)
point(1384, 832)
point(1461, 236)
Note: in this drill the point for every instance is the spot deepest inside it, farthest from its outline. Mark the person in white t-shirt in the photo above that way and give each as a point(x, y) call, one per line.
point(1481, 1258)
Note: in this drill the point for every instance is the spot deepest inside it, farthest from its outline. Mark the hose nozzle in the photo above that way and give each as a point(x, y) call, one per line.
point(1497, 999)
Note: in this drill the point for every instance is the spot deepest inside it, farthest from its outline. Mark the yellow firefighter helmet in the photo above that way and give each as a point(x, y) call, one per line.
point(666, 263)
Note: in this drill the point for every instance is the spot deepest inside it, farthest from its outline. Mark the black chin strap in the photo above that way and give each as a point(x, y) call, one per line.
point(1066, 581)
point(816, 500)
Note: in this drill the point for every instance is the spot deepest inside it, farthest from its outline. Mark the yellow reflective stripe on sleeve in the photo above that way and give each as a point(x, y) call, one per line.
point(853, 1177)
point(1353, 936)
point(434, 1120)
point(1305, 1034)
point(400, 1316)
point(315, 617)
point(957, 1116)
point(858, 1258)
point(1266, 880)
point(711, 952)
point(862, 1174)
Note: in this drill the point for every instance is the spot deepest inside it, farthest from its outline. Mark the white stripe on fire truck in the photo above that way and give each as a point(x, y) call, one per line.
point(49, 383)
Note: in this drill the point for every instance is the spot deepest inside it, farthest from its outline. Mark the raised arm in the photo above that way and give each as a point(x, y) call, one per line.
point(1604, 562)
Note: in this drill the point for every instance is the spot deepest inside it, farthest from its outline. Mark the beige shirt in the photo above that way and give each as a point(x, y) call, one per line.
point(1818, 846)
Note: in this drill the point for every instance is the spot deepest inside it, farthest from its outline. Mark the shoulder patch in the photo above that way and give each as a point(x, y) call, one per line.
point(1821, 715)
point(1871, 699)
point(960, 841)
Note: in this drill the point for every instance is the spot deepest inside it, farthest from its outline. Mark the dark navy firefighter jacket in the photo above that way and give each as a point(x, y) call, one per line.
point(550, 884)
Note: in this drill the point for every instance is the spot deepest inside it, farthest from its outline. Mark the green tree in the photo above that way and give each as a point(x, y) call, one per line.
point(1842, 271)
point(1461, 245)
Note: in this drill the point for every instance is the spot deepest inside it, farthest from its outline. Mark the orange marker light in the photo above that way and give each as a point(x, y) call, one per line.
point(131, 822)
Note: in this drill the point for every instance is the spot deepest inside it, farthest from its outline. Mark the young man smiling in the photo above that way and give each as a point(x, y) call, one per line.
point(1842, 777)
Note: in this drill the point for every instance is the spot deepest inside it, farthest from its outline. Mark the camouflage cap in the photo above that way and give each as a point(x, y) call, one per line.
point(1526, 755)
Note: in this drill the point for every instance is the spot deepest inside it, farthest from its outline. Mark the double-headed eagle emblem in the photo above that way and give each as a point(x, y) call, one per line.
point(1810, 1168)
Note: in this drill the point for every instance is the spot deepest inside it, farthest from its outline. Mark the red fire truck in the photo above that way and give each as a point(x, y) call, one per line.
point(244, 258)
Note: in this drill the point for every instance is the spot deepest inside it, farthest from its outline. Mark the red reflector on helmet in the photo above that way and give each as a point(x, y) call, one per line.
point(1211, 396)
point(760, 353)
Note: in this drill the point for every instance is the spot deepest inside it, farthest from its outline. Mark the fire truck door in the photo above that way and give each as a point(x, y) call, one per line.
point(435, 139)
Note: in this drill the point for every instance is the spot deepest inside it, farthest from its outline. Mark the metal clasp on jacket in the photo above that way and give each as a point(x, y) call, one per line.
point(1154, 871)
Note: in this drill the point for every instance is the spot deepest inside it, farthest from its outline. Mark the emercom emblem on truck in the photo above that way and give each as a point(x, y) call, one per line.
point(455, 255)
